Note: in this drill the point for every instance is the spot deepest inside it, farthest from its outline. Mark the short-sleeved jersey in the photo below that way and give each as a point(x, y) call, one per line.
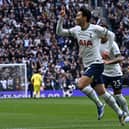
point(111, 70)
point(36, 79)
point(88, 40)
point(88, 44)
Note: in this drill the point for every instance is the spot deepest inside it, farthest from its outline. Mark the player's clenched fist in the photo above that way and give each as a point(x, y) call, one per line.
point(62, 12)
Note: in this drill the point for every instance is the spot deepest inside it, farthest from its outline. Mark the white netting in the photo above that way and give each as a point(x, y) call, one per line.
point(13, 80)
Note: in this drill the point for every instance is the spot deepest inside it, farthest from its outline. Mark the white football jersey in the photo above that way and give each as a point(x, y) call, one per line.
point(111, 70)
point(88, 40)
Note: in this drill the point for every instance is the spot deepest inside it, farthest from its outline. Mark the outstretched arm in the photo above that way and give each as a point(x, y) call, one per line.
point(118, 59)
point(59, 28)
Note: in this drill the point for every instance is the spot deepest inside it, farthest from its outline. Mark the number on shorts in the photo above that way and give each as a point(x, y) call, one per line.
point(116, 83)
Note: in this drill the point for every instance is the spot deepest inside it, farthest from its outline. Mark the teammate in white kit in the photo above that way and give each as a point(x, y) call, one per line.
point(112, 70)
point(88, 36)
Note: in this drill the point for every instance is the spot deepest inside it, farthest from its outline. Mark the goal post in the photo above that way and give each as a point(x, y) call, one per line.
point(13, 80)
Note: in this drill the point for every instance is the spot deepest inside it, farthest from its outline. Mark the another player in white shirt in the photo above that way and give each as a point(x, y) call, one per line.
point(112, 70)
point(88, 36)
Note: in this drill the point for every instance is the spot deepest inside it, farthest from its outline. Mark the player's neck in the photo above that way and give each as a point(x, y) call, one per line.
point(85, 25)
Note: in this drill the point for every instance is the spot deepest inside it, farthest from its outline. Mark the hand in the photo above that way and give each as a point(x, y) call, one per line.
point(62, 12)
point(106, 62)
point(105, 55)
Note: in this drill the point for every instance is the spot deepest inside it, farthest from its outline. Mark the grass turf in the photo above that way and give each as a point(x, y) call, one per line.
point(55, 113)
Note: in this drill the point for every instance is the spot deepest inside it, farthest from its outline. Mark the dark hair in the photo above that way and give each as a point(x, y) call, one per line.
point(85, 12)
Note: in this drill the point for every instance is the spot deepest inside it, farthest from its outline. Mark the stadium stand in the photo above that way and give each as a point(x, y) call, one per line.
point(27, 34)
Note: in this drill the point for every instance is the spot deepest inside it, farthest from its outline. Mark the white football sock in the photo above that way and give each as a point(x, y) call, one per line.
point(90, 92)
point(122, 102)
point(110, 100)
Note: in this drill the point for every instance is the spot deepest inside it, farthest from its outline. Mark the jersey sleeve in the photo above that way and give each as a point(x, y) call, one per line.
point(65, 32)
point(115, 49)
point(101, 31)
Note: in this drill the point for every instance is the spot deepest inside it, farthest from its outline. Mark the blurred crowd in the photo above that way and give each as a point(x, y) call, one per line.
point(27, 34)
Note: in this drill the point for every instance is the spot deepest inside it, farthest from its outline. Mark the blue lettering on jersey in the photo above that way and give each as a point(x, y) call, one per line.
point(86, 43)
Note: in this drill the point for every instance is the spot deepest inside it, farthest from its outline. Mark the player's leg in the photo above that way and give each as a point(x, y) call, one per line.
point(38, 92)
point(117, 87)
point(34, 92)
point(110, 100)
point(31, 90)
point(107, 81)
point(90, 92)
point(122, 102)
point(83, 85)
point(116, 83)
point(100, 89)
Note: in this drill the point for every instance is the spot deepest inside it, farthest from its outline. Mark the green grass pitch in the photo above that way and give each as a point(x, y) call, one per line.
point(55, 113)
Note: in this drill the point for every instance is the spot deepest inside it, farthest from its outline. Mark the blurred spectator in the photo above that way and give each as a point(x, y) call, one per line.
point(27, 34)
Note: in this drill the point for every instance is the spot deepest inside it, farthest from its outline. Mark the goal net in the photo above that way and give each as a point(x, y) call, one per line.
point(13, 80)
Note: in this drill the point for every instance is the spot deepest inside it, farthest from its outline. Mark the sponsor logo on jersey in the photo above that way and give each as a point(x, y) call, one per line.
point(86, 43)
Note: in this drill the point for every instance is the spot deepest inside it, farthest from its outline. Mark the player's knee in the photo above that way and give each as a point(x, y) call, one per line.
point(100, 90)
point(83, 82)
point(80, 84)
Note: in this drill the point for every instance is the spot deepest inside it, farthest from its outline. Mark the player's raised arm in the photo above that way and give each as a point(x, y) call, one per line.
point(59, 28)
